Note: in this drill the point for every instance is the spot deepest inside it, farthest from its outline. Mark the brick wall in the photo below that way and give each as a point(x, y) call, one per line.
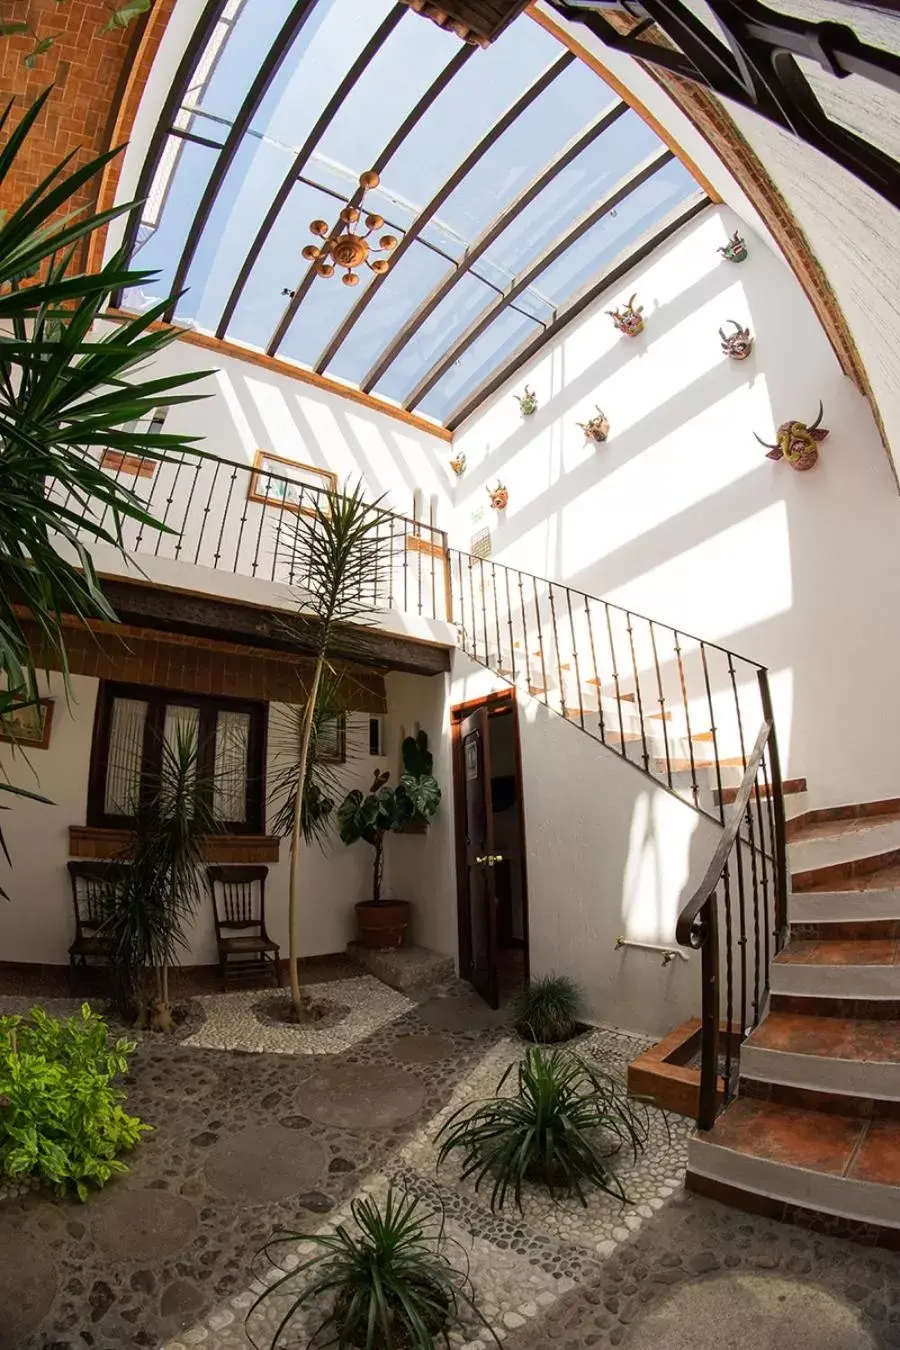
point(98, 79)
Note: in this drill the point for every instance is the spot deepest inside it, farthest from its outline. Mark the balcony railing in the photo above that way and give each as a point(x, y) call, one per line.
point(234, 518)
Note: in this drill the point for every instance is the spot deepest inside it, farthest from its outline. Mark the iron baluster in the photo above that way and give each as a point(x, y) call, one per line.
point(187, 508)
point(662, 704)
point(204, 514)
point(417, 536)
point(623, 750)
point(597, 684)
point(484, 626)
point(645, 754)
point(754, 879)
point(509, 618)
point(472, 602)
point(169, 500)
point(540, 642)
point(742, 928)
point(737, 707)
point(559, 665)
point(695, 787)
point(496, 616)
point(231, 482)
point(764, 867)
point(709, 1014)
point(524, 633)
point(712, 727)
point(433, 557)
point(262, 520)
point(575, 660)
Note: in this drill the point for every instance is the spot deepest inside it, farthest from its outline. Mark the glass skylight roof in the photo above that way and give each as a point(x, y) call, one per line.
point(506, 175)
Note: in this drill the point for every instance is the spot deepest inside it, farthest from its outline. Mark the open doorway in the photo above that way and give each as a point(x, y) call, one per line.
point(492, 890)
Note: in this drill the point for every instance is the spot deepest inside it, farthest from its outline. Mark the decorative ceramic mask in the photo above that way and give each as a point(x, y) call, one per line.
point(797, 442)
point(596, 428)
point(527, 402)
point(499, 496)
point(628, 320)
point(458, 465)
point(735, 250)
point(739, 344)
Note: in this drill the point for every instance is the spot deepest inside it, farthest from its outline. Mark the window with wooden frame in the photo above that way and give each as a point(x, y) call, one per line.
point(132, 725)
point(287, 484)
point(136, 465)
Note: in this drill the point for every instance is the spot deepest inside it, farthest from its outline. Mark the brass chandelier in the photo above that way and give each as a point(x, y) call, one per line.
point(349, 248)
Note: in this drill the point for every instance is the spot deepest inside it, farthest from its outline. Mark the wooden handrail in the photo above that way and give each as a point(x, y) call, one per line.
point(685, 934)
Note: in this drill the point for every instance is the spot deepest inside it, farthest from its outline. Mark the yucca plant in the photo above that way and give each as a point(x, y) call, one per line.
point(323, 784)
point(386, 1280)
point(339, 550)
point(162, 884)
point(67, 393)
point(560, 1129)
point(547, 1009)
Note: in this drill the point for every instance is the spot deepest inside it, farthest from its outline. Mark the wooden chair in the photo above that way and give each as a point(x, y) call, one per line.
point(93, 884)
point(239, 903)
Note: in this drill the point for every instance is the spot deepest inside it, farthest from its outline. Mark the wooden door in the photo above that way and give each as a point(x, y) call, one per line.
point(480, 854)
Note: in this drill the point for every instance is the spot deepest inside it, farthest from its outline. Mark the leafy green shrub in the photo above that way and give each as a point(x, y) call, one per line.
point(60, 1115)
point(389, 1278)
point(565, 1122)
point(547, 1010)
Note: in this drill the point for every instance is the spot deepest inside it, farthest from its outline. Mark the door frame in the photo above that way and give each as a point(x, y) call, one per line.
point(505, 702)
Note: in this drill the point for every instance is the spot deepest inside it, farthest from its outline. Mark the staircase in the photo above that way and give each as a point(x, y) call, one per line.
point(813, 1134)
point(797, 920)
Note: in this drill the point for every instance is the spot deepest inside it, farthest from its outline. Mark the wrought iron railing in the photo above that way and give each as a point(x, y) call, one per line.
point(236, 518)
point(676, 707)
point(737, 919)
point(668, 702)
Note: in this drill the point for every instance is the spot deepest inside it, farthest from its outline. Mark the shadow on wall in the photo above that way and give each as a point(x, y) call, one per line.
point(680, 515)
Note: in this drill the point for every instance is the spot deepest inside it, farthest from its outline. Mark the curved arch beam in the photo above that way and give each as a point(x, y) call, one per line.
point(487, 237)
point(514, 111)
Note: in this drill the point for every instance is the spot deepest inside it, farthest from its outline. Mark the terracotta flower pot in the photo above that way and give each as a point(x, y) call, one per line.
point(382, 923)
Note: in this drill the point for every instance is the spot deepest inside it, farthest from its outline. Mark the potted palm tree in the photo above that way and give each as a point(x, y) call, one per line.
point(385, 810)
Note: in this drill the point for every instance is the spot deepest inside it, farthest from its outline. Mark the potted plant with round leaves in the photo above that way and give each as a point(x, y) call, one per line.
point(385, 810)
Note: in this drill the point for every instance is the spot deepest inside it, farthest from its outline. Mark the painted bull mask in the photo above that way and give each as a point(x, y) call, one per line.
point(737, 345)
point(797, 442)
point(628, 320)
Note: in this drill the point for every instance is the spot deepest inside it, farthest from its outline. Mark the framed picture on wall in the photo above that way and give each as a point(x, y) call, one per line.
point(28, 725)
point(287, 484)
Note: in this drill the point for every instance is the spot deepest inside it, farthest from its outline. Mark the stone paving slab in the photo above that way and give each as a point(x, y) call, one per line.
point(231, 1021)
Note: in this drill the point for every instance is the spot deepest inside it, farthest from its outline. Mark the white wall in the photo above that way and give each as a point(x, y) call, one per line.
point(680, 516)
point(36, 924)
point(608, 854)
point(850, 228)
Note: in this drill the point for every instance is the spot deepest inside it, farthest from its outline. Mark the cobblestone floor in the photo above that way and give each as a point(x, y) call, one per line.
point(247, 1142)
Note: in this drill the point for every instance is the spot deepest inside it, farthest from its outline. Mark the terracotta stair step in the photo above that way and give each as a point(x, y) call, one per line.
point(822, 1162)
point(859, 1055)
point(848, 950)
point(790, 786)
point(824, 908)
point(884, 876)
point(842, 930)
point(839, 967)
point(820, 818)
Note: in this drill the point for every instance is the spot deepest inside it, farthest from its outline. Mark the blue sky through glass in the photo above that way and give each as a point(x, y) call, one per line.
point(399, 73)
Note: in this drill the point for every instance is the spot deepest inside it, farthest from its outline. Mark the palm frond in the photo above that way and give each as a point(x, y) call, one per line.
point(324, 781)
point(340, 555)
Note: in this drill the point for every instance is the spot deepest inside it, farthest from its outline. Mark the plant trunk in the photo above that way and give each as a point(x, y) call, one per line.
point(296, 839)
point(164, 984)
point(378, 869)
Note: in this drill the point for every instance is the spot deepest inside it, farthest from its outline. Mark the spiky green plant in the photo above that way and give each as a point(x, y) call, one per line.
point(386, 1279)
point(560, 1129)
point(339, 549)
point(323, 783)
point(547, 1009)
point(162, 885)
point(67, 393)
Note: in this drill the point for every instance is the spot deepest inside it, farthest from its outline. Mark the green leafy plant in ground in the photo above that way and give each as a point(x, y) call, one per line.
point(385, 810)
point(562, 1127)
point(387, 1280)
point(61, 1116)
point(547, 1010)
